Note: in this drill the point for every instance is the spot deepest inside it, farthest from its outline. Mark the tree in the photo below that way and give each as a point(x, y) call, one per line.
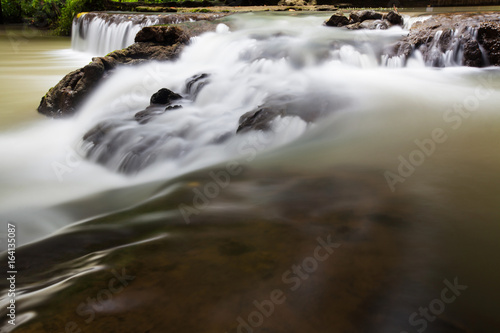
point(1, 14)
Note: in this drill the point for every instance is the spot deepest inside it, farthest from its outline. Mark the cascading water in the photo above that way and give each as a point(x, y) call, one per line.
point(101, 33)
point(392, 158)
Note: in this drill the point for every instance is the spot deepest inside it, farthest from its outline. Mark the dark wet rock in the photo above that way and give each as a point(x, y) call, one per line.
point(99, 132)
point(161, 43)
point(473, 56)
point(489, 37)
point(157, 107)
point(394, 18)
point(118, 146)
point(259, 120)
point(363, 15)
point(164, 96)
point(365, 19)
point(162, 35)
point(195, 83)
point(150, 112)
point(354, 26)
point(308, 109)
point(337, 20)
point(70, 91)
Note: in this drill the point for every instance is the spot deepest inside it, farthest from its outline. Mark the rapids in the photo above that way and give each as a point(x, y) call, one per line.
point(398, 166)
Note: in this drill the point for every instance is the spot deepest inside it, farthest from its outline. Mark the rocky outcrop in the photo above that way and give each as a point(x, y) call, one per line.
point(460, 39)
point(152, 43)
point(365, 19)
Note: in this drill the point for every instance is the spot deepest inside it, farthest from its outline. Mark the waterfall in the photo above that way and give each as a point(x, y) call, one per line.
point(100, 33)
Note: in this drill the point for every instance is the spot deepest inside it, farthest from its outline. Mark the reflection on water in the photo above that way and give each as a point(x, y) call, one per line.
point(384, 208)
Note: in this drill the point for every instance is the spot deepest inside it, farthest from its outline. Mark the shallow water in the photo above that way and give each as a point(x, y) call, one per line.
point(399, 172)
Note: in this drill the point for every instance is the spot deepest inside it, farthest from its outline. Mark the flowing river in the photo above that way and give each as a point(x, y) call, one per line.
point(373, 208)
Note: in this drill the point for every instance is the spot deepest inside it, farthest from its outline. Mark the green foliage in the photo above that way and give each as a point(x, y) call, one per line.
point(57, 14)
point(12, 11)
point(44, 12)
point(71, 9)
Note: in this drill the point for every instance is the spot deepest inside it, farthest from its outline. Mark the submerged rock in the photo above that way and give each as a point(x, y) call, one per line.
point(150, 112)
point(259, 120)
point(195, 83)
point(307, 108)
point(152, 43)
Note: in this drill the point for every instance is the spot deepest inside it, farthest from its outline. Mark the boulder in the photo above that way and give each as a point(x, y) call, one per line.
point(337, 20)
point(164, 96)
point(363, 15)
point(394, 18)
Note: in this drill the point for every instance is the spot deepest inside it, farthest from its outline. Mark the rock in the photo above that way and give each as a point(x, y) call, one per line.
point(337, 20)
point(162, 35)
point(374, 24)
point(308, 108)
point(150, 112)
point(454, 33)
point(354, 26)
point(118, 146)
point(363, 15)
point(160, 43)
point(98, 132)
point(158, 101)
point(63, 99)
point(488, 36)
point(164, 96)
point(259, 120)
point(365, 19)
point(195, 83)
point(394, 18)
point(473, 56)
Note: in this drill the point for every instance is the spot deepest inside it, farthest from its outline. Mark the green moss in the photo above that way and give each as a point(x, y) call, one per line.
point(201, 10)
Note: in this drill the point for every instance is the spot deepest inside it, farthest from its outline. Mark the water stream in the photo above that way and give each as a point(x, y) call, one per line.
point(397, 165)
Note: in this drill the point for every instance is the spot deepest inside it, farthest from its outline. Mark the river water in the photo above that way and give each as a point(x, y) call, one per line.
point(226, 232)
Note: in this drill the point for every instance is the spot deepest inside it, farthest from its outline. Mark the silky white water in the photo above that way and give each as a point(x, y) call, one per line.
point(99, 35)
point(368, 114)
